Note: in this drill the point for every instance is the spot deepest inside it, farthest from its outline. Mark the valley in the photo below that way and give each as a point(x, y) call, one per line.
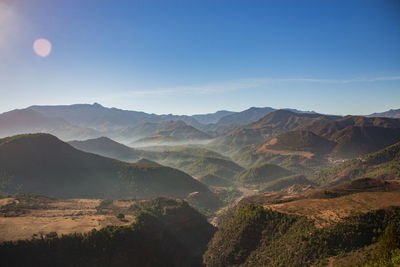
point(253, 170)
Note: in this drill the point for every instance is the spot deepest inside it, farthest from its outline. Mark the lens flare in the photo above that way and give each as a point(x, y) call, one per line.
point(42, 47)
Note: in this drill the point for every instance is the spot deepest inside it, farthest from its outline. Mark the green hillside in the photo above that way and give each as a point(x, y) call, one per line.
point(383, 164)
point(318, 145)
point(167, 232)
point(260, 237)
point(214, 180)
point(176, 157)
point(262, 174)
point(42, 164)
point(218, 167)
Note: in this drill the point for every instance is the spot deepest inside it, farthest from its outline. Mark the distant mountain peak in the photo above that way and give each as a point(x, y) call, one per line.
point(392, 113)
point(97, 105)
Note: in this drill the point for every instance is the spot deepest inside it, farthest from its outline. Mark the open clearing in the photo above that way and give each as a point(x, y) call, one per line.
point(24, 217)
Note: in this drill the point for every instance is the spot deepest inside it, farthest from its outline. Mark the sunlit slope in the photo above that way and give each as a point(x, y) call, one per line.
point(382, 164)
point(308, 230)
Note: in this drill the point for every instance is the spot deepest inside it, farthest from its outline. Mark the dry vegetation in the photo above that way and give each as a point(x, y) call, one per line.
point(23, 217)
point(327, 211)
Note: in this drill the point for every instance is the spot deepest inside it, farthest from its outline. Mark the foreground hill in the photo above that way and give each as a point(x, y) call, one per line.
point(167, 232)
point(264, 230)
point(42, 164)
point(256, 236)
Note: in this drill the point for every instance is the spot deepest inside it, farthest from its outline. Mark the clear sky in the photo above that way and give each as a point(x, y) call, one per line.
point(199, 56)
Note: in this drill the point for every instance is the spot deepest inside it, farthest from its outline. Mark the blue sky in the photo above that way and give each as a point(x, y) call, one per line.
point(199, 56)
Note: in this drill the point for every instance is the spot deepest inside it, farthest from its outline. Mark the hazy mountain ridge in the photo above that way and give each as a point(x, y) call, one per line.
point(247, 116)
point(23, 121)
point(82, 121)
point(173, 132)
point(125, 125)
point(211, 118)
point(393, 113)
point(97, 116)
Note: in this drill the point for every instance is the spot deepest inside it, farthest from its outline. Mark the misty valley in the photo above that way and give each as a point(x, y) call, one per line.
point(199, 133)
point(86, 185)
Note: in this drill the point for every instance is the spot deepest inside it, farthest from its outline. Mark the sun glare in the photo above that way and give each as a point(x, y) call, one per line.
point(42, 47)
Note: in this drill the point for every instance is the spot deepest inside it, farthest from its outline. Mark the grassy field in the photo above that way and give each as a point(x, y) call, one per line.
point(24, 217)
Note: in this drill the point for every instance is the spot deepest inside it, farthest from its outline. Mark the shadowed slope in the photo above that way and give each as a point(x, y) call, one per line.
point(42, 164)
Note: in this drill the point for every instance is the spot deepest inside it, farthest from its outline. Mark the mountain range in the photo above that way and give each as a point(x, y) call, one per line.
point(83, 121)
point(299, 142)
point(284, 187)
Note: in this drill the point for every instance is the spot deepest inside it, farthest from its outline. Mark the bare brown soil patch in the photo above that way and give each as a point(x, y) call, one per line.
point(327, 211)
point(23, 219)
point(265, 150)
